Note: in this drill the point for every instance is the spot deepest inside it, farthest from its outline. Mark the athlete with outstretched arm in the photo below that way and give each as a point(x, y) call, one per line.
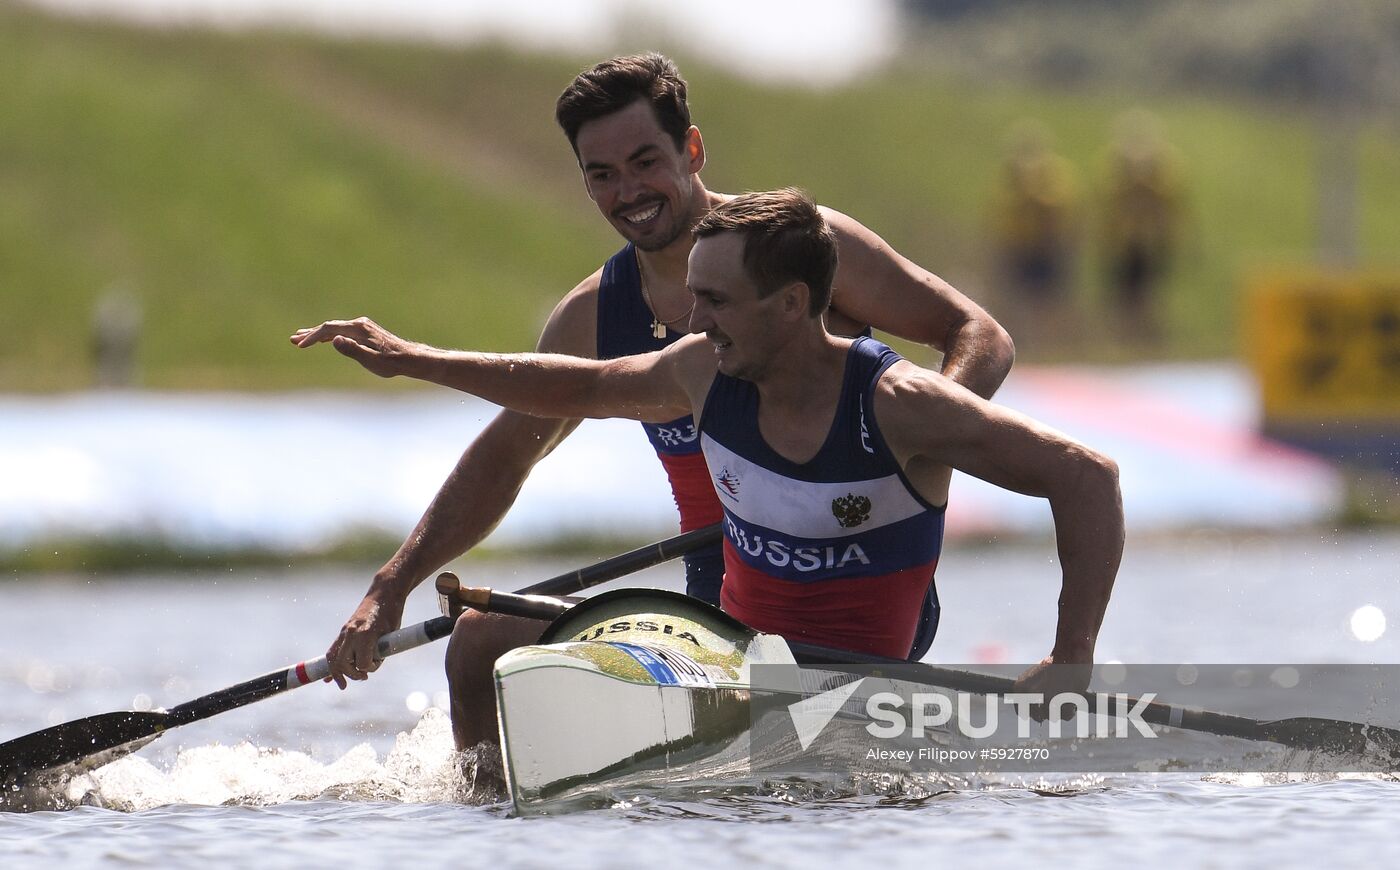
point(628, 122)
point(831, 456)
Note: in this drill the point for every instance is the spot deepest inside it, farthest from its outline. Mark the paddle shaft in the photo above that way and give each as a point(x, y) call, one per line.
point(627, 563)
point(72, 742)
point(413, 636)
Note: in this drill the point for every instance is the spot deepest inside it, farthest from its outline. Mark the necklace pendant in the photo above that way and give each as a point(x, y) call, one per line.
point(658, 329)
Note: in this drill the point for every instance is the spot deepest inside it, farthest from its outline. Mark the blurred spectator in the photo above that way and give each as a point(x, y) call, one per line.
point(1036, 219)
point(1142, 190)
point(116, 331)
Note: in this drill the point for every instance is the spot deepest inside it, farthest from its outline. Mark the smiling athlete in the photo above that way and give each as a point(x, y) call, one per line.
point(830, 456)
point(629, 124)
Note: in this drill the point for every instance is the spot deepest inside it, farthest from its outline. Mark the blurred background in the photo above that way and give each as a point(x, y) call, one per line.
point(1186, 212)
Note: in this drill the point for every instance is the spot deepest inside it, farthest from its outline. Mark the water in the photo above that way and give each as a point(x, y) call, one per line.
point(319, 777)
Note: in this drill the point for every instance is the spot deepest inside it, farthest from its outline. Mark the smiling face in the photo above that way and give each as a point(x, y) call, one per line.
point(639, 181)
point(744, 329)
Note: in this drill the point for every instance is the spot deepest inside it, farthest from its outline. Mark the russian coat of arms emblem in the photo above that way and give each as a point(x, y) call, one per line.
point(851, 510)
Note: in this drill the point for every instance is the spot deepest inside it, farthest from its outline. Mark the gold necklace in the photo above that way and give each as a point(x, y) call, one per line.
point(658, 326)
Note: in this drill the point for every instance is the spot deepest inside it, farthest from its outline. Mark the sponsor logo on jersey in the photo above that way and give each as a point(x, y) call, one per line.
point(728, 482)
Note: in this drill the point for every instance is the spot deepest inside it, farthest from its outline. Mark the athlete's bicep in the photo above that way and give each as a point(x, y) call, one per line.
point(572, 327)
point(927, 417)
point(649, 387)
point(876, 285)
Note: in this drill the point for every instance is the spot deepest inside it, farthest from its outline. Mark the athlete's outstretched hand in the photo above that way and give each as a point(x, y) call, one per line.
point(366, 342)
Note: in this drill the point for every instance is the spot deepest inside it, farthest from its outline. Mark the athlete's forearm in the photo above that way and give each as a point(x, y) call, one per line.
point(876, 285)
point(978, 353)
point(552, 385)
point(1089, 537)
point(472, 500)
point(543, 385)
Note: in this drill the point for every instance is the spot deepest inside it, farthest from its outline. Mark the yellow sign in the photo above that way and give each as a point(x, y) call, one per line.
point(1326, 347)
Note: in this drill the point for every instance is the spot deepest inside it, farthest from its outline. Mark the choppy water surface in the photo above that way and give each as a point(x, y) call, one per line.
point(319, 777)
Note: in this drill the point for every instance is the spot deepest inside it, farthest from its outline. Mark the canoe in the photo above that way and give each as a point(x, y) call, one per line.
point(629, 688)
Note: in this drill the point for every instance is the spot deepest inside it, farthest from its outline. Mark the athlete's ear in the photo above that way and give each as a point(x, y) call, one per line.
point(796, 298)
point(694, 149)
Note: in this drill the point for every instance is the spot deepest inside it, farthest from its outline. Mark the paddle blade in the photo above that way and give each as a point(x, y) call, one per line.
point(1338, 737)
point(90, 742)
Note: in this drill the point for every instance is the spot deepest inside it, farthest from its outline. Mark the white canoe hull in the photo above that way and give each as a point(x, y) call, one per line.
point(649, 688)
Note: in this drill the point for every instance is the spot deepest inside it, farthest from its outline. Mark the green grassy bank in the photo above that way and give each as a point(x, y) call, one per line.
point(241, 186)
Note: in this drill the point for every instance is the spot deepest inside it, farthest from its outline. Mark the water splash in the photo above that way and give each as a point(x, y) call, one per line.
point(422, 767)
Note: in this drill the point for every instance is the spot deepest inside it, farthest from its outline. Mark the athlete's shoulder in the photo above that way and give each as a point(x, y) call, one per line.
point(572, 327)
point(692, 352)
point(918, 408)
point(692, 362)
point(872, 348)
point(909, 392)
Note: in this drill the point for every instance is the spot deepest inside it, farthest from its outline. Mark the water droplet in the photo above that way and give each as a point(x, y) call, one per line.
point(1368, 623)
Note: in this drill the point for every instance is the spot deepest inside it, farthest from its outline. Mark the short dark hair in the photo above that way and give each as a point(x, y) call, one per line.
point(786, 239)
point(619, 82)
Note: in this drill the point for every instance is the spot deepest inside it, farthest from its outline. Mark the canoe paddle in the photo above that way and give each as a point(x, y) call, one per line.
point(1307, 733)
point(96, 740)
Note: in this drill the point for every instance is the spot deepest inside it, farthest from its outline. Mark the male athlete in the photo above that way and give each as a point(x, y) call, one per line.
point(629, 124)
point(830, 456)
